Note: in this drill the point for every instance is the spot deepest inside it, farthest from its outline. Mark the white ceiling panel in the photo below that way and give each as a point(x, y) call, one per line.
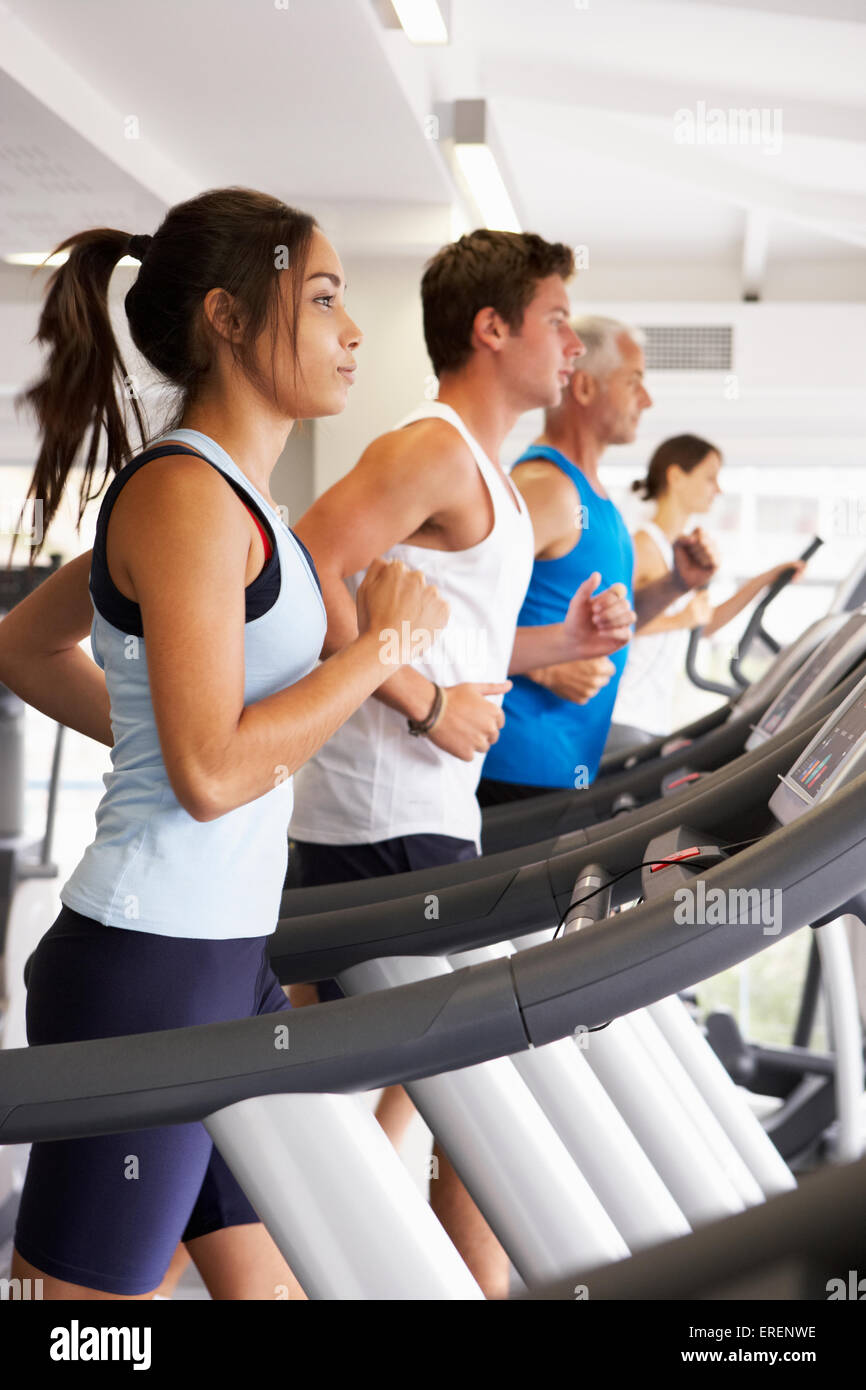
point(298, 101)
point(319, 103)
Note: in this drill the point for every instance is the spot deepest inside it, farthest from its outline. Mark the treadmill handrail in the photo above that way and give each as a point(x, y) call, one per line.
point(512, 823)
point(747, 703)
point(642, 752)
point(635, 958)
point(755, 626)
point(704, 682)
point(500, 906)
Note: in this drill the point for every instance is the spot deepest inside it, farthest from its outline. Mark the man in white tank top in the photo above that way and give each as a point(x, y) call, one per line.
point(377, 799)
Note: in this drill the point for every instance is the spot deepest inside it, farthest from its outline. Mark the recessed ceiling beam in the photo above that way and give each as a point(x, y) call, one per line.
point(37, 67)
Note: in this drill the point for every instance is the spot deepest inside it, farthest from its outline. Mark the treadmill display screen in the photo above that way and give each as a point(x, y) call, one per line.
point(813, 771)
point(781, 708)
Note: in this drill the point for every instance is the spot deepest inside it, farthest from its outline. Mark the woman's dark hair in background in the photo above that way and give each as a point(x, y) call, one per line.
point(228, 238)
point(685, 450)
point(500, 269)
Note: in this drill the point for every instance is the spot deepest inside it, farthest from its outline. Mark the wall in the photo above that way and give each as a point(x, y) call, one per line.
point(393, 367)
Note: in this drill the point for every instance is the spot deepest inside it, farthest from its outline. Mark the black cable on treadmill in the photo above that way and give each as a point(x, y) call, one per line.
point(643, 863)
point(739, 844)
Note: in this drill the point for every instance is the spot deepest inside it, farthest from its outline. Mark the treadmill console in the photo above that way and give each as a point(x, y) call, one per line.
point(836, 755)
point(827, 665)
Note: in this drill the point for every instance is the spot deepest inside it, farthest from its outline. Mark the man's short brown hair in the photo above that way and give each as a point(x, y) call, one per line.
point(499, 269)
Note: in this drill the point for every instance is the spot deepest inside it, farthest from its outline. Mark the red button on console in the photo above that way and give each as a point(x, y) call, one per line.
point(672, 858)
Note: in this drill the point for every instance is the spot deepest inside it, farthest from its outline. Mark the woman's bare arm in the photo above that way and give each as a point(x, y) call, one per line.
point(218, 752)
point(41, 660)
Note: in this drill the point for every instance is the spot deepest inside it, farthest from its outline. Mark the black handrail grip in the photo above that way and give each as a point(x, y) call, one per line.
point(755, 626)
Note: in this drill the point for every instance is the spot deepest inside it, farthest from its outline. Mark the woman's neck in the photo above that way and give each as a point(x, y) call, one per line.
point(252, 437)
point(670, 517)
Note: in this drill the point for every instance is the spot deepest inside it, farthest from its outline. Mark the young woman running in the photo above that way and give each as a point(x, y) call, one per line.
point(207, 623)
point(683, 481)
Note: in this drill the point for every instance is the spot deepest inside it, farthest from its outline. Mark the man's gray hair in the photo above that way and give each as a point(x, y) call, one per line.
point(599, 336)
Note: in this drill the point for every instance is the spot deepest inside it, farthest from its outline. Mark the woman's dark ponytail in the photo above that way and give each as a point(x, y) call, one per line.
point(234, 239)
point(76, 392)
point(684, 450)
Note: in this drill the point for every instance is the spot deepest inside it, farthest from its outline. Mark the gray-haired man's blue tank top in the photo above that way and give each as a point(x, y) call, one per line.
point(152, 867)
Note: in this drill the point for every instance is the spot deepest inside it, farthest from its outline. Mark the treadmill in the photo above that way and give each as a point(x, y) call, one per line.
point(755, 633)
point(272, 1089)
point(785, 661)
point(629, 777)
point(735, 795)
point(843, 640)
point(849, 595)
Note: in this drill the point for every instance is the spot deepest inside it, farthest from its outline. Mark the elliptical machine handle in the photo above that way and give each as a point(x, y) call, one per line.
point(755, 626)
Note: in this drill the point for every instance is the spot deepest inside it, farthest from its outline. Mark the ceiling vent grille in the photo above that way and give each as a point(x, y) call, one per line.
point(677, 347)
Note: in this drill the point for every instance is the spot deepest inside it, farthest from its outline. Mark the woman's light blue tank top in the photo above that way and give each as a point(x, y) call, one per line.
point(151, 866)
point(547, 741)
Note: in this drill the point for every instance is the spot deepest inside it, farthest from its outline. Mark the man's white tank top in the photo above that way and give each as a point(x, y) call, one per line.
point(373, 781)
point(645, 698)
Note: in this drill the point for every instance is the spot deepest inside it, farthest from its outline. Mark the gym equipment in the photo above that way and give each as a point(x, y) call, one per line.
point(471, 915)
point(754, 632)
point(845, 600)
point(851, 591)
point(731, 799)
point(747, 703)
point(648, 778)
point(318, 1180)
point(21, 858)
point(803, 1245)
point(835, 656)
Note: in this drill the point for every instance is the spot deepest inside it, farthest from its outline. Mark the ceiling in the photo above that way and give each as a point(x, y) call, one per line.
point(111, 112)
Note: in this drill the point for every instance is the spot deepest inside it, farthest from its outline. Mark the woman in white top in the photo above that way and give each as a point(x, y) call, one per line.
point(683, 480)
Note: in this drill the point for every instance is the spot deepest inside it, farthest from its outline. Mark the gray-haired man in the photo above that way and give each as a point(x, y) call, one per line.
point(557, 717)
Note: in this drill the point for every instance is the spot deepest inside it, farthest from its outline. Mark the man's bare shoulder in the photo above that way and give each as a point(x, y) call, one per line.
point(429, 442)
point(540, 476)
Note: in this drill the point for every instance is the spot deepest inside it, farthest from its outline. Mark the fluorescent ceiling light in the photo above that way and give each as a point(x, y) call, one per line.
point(487, 186)
point(460, 224)
point(44, 257)
point(422, 20)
